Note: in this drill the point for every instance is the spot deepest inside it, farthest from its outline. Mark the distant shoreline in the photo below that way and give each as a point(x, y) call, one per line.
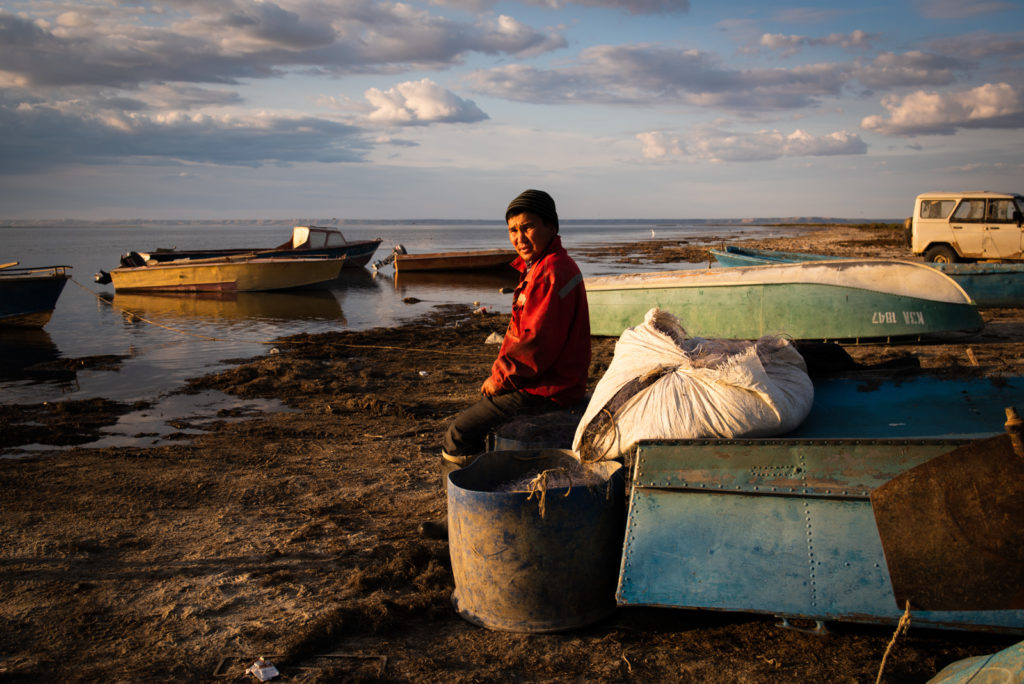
point(336, 222)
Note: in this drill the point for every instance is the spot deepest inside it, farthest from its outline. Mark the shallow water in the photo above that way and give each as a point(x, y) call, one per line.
point(163, 340)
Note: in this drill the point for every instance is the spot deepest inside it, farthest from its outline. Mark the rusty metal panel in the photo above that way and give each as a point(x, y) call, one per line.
point(836, 467)
point(953, 529)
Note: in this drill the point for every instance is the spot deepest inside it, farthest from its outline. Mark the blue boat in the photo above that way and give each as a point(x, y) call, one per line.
point(988, 284)
point(29, 295)
point(791, 526)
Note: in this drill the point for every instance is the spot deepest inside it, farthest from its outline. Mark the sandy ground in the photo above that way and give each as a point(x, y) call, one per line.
point(294, 535)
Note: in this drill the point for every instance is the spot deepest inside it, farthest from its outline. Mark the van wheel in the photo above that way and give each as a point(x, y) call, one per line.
point(941, 254)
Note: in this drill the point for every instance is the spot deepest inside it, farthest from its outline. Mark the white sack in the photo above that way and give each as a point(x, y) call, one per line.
point(703, 388)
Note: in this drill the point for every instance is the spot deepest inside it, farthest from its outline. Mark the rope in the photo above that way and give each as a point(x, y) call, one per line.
point(226, 339)
point(539, 486)
point(901, 628)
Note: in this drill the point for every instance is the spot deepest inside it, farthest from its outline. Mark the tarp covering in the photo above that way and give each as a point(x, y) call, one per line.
point(662, 384)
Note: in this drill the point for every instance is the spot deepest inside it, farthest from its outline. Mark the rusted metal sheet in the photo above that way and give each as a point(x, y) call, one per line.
point(776, 526)
point(953, 529)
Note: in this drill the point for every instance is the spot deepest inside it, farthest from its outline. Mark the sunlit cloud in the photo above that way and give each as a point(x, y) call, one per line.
point(714, 144)
point(791, 44)
point(419, 103)
point(993, 105)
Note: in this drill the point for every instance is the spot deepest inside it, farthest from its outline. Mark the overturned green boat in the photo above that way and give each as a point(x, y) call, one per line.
point(844, 300)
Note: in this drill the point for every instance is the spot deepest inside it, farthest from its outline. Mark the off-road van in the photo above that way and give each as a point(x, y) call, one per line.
point(965, 226)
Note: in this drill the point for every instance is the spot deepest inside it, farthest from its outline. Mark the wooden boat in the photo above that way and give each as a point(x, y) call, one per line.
point(829, 300)
point(479, 260)
point(988, 284)
point(306, 241)
point(238, 274)
point(29, 295)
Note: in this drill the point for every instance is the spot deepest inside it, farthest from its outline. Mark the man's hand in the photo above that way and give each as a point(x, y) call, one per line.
point(490, 388)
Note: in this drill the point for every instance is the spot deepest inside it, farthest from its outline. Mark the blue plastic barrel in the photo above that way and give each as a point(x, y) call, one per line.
point(534, 432)
point(518, 571)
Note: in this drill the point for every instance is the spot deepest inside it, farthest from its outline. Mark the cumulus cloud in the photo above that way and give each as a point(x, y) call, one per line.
point(711, 143)
point(631, 6)
point(981, 45)
point(643, 74)
point(792, 44)
point(914, 68)
point(993, 105)
point(94, 81)
point(656, 145)
point(246, 39)
point(45, 135)
point(419, 103)
point(957, 9)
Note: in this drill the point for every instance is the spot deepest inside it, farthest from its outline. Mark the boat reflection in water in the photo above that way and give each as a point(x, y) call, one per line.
point(265, 306)
point(30, 354)
point(448, 282)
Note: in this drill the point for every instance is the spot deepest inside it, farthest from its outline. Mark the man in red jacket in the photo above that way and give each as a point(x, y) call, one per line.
point(545, 357)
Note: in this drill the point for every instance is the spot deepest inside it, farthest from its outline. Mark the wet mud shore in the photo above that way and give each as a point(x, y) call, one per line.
point(294, 535)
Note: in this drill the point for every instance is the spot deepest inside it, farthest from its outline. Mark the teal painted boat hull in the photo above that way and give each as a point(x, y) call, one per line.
point(847, 300)
point(783, 527)
point(989, 285)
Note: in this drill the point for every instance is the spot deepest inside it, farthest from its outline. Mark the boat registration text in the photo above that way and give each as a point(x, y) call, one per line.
point(909, 317)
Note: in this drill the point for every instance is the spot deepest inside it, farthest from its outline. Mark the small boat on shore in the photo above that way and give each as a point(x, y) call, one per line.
point(829, 300)
point(988, 284)
point(28, 296)
point(307, 241)
point(235, 274)
point(478, 260)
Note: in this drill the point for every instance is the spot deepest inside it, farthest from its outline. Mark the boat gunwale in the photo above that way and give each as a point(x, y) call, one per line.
point(735, 276)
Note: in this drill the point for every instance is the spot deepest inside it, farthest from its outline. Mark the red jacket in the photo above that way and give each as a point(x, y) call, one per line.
point(547, 346)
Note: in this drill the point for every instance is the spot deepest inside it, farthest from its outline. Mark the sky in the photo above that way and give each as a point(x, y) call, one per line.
point(363, 110)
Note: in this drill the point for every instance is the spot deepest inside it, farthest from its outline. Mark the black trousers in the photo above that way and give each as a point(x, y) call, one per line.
point(467, 434)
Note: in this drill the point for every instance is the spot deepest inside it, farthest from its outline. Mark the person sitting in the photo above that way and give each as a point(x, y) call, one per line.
point(544, 360)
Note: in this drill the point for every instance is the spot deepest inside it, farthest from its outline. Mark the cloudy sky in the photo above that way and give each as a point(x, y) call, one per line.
point(367, 109)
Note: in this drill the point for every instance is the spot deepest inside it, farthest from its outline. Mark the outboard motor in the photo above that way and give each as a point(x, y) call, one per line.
point(132, 260)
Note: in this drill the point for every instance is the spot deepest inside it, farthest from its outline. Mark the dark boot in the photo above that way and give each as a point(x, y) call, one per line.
point(438, 529)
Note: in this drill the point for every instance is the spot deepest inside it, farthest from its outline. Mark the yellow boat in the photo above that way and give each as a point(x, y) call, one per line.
point(234, 274)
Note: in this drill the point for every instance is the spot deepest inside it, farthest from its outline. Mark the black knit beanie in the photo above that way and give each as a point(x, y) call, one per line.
point(535, 202)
